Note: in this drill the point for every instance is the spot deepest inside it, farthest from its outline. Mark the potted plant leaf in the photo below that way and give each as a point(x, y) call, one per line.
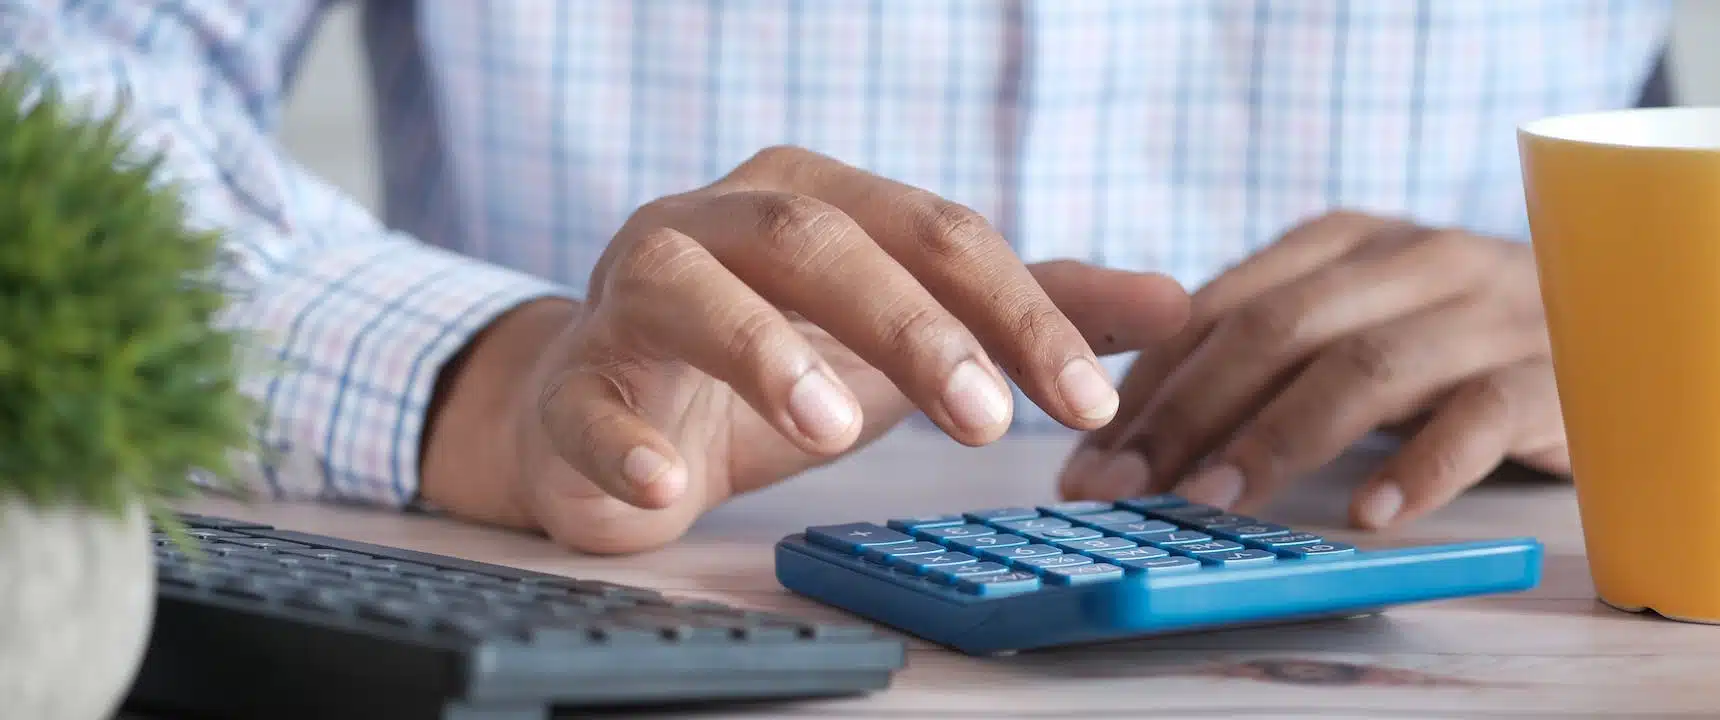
point(116, 386)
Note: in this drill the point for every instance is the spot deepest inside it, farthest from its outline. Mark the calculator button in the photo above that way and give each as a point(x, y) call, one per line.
point(956, 531)
point(1082, 574)
point(1295, 538)
point(1177, 538)
point(855, 537)
point(910, 523)
point(1134, 553)
point(925, 563)
point(1187, 513)
point(1136, 529)
point(1062, 534)
point(1012, 513)
point(1256, 531)
point(883, 553)
point(995, 584)
point(1020, 551)
point(1109, 518)
point(1209, 546)
point(1320, 549)
point(1152, 566)
point(1151, 502)
point(1051, 561)
point(1217, 521)
point(1094, 544)
point(954, 573)
point(1077, 507)
point(976, 544)
point(1039, 523)
point(1245, 556)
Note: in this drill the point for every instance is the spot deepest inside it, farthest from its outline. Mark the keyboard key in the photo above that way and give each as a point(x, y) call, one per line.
point(1317, 550)
point(325, 554)
point(1250, 532)
point(1135, 529)
point(1245, 556)
point(999, 514)
point(1051, 561)
point(1061, 534)
point(976, 544)
point(1134, 553)
point(954, 573)
point(1094, 544)
point(1151, 502)
point(1077, 507)
point(997, 584)
point(1166, 564)
point(1177, 538)
point(262, 543)
point(855, 537)
point(1039, 523)
point(1115, 517)
point(1007, 554)
point(926, 563)
point(1295, 538)
point(1082, 574)
point(1209, 546)
point(954, 531)
point(910, 523)
point(883, 553)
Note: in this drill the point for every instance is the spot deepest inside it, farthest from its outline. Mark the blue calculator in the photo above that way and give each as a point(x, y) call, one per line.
point(1008, 579)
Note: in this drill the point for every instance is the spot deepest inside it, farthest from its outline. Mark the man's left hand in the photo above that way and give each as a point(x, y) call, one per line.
point(1348, 324)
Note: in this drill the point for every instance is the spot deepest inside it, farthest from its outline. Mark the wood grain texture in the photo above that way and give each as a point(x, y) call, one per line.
point(1553, 652)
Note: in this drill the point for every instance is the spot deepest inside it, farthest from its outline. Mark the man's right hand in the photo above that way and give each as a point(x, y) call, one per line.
point(738, 334)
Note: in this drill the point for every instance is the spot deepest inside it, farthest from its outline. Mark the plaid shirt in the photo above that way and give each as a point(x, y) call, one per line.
point(516, 135)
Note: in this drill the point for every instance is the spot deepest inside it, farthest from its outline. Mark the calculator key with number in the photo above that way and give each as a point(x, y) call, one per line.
point(993, 580)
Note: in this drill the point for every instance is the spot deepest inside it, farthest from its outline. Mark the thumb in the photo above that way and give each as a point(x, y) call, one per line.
point(1115, 310)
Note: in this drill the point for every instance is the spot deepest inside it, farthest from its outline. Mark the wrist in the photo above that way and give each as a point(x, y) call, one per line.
point(472, 457)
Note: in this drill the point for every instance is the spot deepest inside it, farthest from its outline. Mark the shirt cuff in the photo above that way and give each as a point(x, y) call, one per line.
point(354, 338)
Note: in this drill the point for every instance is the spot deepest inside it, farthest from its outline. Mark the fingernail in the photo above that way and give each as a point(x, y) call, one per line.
point(642, 466)
point(1087, 391)
point(973, 398)
point(1126, 475)
point(819, 409)
point(1380, 505)
point(1218, 486)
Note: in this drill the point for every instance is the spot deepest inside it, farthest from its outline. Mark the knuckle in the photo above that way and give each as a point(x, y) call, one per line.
point(915, 327)
point(1035, 325)
point(1272, 441)
point(949, 229)
point(1444, 464)
point(790, 223)
point(1268, 326)
point(656, 257)
point(1492, 399)
point(1370, 358)
point(775, 161)
point(755, 334)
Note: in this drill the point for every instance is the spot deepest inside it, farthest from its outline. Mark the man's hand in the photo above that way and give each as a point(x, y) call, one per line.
point(743, 332)
point(1346, 325)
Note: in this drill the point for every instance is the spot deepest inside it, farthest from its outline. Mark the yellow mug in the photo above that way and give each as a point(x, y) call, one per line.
point(1624, 216)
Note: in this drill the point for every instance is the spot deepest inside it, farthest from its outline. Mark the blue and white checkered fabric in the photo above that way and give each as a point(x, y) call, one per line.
point(1172, 135)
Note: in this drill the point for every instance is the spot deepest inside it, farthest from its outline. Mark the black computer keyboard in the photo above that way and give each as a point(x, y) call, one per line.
point(271, 623)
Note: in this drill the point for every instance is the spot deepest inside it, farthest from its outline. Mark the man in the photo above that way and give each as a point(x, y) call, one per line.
point(640, 257)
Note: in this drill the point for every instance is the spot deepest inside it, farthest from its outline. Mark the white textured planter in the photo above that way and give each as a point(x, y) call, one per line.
point(77, 596)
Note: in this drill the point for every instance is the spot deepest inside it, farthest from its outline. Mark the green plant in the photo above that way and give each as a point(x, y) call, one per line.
point(115, 383)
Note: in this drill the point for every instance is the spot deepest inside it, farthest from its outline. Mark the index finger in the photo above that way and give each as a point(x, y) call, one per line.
point(973, 272)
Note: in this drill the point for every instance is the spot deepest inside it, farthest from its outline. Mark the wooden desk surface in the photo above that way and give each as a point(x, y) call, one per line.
point(1550, 652)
